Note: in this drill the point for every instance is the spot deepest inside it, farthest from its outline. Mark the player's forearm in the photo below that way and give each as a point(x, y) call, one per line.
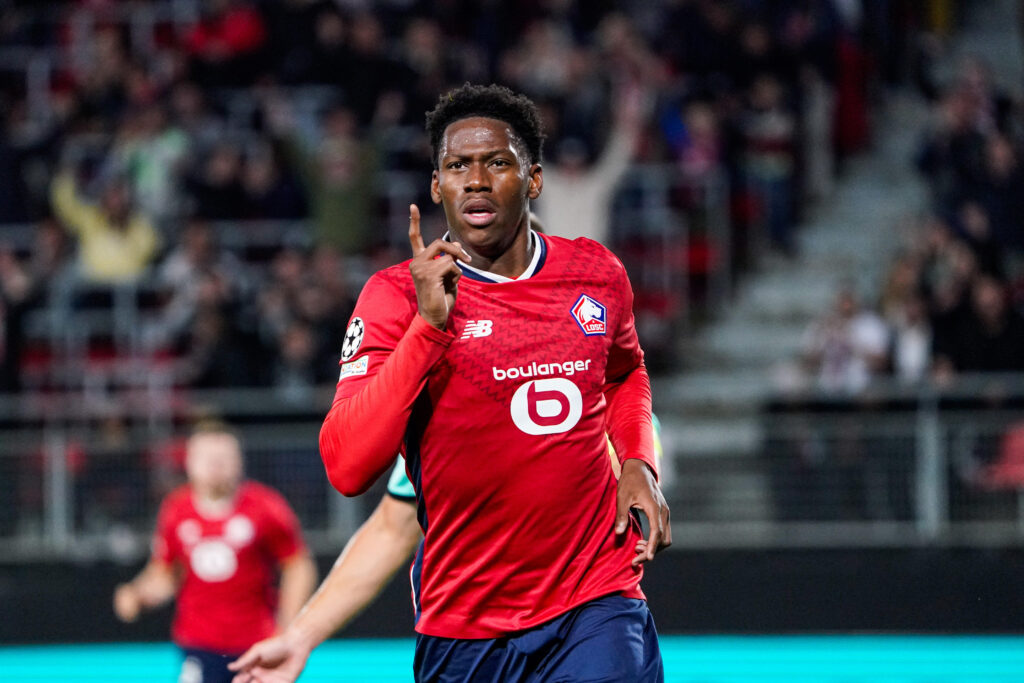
point(155, 585)
point(362, 433)
point(372, 556)
point(298, 579)
point(629, 417)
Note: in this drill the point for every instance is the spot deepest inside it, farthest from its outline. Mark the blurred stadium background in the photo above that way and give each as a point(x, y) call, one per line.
point(820, 204)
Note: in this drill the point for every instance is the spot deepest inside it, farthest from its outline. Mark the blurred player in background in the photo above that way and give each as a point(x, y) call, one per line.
point(372, 556)
point(531, 560)
point(219, 544)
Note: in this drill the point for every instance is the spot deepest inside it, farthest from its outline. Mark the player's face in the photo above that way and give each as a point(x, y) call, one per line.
point(484, 182)
point(214, 464)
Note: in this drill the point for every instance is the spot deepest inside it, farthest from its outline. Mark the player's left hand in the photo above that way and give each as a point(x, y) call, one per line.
point(639, 489)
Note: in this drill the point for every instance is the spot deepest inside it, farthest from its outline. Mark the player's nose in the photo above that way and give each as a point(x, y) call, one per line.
point(477, 178)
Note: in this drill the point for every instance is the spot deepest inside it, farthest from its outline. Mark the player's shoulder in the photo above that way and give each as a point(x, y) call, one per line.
point(582, 249)
point(393, 281)
point(251, 491)
point(177, 502)
point(180, 495)
point(579, 245)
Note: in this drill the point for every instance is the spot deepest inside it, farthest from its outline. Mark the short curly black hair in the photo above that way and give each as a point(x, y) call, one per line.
point(493, 102)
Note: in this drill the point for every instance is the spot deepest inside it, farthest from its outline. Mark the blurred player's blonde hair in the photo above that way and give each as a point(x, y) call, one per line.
point(213, 425)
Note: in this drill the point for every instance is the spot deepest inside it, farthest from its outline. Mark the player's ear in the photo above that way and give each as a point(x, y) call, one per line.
point(435, 188)
point(536, 181)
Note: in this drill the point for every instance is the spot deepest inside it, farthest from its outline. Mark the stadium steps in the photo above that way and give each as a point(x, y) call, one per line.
point(712, 412)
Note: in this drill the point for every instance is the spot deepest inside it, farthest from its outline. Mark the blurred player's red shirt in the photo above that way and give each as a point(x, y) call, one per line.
point(505, 441)
point(228, 597)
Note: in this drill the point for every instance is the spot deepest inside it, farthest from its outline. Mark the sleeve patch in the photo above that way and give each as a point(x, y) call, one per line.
point(356, 367)
point(353, 339)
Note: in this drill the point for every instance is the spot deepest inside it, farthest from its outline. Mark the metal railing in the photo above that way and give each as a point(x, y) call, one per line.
point(83, 478)
point(895, 466)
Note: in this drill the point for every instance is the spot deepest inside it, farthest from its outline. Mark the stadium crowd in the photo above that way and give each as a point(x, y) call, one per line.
point(158, 141)
point(952, 300)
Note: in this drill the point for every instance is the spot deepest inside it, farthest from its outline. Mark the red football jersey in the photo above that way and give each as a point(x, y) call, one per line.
point(228, 597)
point(504, 418)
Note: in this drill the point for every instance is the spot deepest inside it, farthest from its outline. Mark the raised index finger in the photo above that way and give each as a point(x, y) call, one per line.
point(415, 238)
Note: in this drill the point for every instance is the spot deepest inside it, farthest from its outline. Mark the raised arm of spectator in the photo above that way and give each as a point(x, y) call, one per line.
point(629, 103)
point(69, 208)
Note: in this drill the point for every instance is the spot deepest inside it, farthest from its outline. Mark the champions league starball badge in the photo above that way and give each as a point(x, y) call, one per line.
point(353, 339)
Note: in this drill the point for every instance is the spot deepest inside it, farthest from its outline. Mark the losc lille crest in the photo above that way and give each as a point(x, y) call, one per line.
point(591, 315)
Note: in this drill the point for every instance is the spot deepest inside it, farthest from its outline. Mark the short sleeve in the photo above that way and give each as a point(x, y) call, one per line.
point(166, 547)
point(282, 536)
point(399, 485)
point(659, 450)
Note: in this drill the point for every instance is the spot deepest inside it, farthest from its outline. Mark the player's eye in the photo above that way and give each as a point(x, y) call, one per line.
point(500, 162)
point(456, 165)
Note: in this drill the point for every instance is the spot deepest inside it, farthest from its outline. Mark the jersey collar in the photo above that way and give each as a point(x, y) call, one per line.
point(540, 251)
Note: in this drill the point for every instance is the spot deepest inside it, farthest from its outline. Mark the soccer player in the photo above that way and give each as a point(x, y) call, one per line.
point(497, 359)
point(219, 543)
point(375, 552)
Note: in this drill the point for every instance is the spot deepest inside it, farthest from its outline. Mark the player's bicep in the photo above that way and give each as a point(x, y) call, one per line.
point(379, 321)
point(165, 545)
point(625, 354)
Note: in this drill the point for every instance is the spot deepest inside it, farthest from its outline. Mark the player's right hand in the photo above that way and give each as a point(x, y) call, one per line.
point(126, 603)
point(434, 272)
point(274, 660)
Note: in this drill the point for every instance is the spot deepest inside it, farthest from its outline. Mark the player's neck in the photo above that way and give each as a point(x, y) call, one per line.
point(213, 504)
point(510, 263)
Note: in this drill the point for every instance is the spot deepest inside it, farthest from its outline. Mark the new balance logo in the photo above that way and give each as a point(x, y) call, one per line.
point(476, 328)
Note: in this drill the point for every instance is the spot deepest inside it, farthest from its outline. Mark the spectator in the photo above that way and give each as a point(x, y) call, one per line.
point(216, 189)
point(181, 276)
point(276, 299)
point(768, 129)
point(577, 197)
point(847, 347)
point(295, 373)
point(975, 230)
point(990, 338)
point(338, 173)
point(270, 193)
point(225, 46)
point(951, 154)
point(700, 150)
point(116, 243)
point(210, 354)
point(290, 27)
point(193, 115)
point(371, 71)
point(151, 152)
point(48, 263)
point(15, 289)
point(1000, 192)
point(910, 352)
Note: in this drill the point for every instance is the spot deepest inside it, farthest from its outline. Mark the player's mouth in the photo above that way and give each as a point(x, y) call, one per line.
point(478, 212)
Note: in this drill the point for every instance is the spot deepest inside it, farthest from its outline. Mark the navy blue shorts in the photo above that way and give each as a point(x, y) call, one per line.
point(203, 666)
point(611, 639)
